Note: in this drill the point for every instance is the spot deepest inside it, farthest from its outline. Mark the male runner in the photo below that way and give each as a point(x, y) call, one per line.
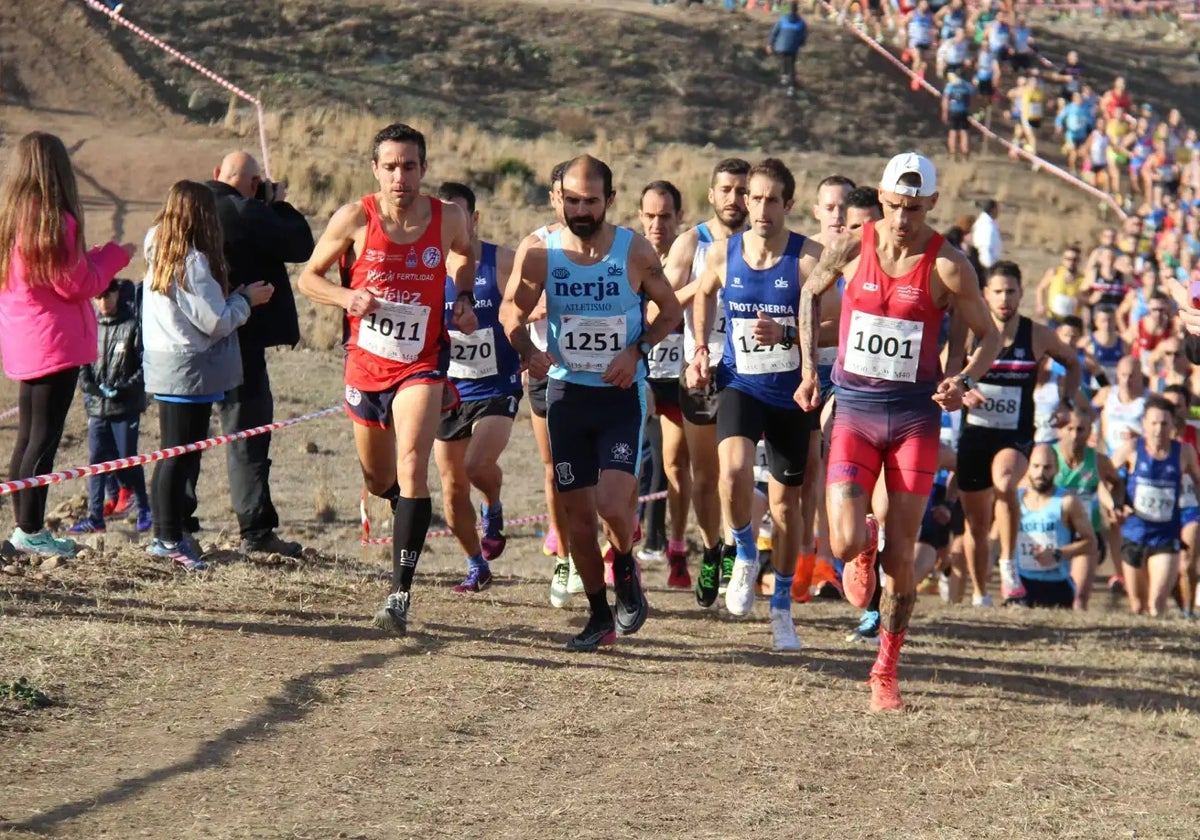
point(595, 276)
point(660, 212)
point(997, 437)
point(486, 372)
point(890, 392)
point(760, 272)
point(1151, 528)
point(1055, 537)
point(727, 196)
point(394, 244)
point(1083, 470)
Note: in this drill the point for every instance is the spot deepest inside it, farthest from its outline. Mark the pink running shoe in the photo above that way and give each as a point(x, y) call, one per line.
point(550, 544)
point(858, 578)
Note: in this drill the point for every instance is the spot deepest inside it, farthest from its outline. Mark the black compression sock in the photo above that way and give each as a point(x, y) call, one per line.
point(622, 563)
point(410, 524)
point(599, 603)
point(392, 494)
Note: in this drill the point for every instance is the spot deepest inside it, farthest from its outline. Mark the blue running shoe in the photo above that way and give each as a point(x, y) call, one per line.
point(867, 629)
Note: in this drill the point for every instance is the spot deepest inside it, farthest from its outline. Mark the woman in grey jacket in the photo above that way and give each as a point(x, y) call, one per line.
point(189, 328)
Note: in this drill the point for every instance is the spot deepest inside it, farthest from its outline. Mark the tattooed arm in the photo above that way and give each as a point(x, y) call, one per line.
point(836, 256)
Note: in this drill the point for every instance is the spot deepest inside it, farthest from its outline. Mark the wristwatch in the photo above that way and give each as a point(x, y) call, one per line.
point(644, 348)
point(968, 384)
point(1058, 555)
point(469, 295)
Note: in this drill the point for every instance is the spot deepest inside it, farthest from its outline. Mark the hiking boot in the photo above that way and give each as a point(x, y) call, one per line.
point(270, 543)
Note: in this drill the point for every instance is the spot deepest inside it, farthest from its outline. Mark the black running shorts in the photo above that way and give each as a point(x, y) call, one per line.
point(1048, 593)
point(537, 397)
point(785, 431)
point(699, 406)
point(977, 448)
point(459, 423)
point(593, 429)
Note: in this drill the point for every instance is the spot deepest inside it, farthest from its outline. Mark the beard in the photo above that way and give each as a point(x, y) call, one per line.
point(733, 218)
point(1042, 485)
point(585, 227)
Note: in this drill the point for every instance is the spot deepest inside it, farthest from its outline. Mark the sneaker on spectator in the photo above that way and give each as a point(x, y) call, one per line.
point(144, 520)
point(270, 543)
point(88, 525)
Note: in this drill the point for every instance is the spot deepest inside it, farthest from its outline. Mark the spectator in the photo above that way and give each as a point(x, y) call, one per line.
point(956, 105)
point(47, 324)
point(788, 35)
point(189, 323)
point(985, 233)
point(114, 396)
point(262, 232)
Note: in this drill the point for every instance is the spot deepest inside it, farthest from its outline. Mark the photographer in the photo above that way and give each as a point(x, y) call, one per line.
point(262, 232)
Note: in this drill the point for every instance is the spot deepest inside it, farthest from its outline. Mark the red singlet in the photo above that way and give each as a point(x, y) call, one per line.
point(407, 334)
point(888, 331)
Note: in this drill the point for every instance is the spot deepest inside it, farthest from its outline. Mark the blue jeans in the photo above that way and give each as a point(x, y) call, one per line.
point(108, 439)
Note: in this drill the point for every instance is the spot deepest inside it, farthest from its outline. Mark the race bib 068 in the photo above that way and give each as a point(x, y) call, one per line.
point(1001, 408)
point(880, 347)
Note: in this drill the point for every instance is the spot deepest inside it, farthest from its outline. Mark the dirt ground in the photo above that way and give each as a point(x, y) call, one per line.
point(256, 702)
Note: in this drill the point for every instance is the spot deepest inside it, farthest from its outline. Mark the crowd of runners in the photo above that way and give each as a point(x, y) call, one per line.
point(854, 414)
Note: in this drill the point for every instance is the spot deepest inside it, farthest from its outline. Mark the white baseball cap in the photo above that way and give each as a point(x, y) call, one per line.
point(903, 164)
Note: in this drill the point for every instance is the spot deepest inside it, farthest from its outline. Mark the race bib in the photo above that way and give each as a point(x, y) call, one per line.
point(1153, 503)
point(880, 347)
point(752, 358)
point(472, 356)
point(666, 358)
point(1062, 305)
point(1028, 546)
point(716, 337)
point(590, 344)
point(1187, 493)
point(394, 331)
point(1001, 408)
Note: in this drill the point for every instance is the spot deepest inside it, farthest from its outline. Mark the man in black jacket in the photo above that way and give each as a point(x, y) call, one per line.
point(262, 232)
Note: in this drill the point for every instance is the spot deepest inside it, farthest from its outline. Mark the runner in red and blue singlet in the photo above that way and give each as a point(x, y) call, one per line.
point(890, 389)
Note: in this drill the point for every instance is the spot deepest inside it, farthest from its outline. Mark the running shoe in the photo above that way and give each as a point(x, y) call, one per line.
point(981, 601)
point(550, 544)
point(858, 578)
point(559, 593)
point(574, 581)
point(494, 540)
point(867, 629)
point(651, 555)
point(271, 543)
point(783, 631)
point(943, 584)
point(124, 503)
point(631, 607)
point(726, 572)
point(885, 693)
point(1116, 585)
point(1011, 588)
point(43, 544)
point(476, 580)
point(739, 594)
point(88, 525)
point(185, 554)
point(599, 631)
point(678, 576)
point(709, 579)
point(393, 618)
point(144, 520)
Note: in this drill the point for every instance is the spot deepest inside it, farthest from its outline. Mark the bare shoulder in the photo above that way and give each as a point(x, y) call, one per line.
point(348, 218)
point(505, 257)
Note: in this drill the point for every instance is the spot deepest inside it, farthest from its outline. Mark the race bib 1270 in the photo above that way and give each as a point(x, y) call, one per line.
point(472, 356)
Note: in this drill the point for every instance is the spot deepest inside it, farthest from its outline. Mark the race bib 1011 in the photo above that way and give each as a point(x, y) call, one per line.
point(394, 331)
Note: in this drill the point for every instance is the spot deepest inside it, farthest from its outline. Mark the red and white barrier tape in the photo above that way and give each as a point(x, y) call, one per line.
point(199, 68)
point(1142, 6)
point(446, 532)
point(150, 457)
point(9, 412)
point(1040, 162)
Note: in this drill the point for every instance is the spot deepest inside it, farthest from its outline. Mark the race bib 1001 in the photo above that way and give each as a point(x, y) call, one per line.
point(1001, 407)
point(394, 331)
point(752, 358)
point(880, 347)
point(472, 356)
point(590, 344)
point(666, 358)
point(1154, 503)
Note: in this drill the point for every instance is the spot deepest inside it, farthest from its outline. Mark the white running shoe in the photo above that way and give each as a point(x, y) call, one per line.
point(783, 631)
point(574, 581)
point(651, 555)
point(1010, 581)
point(943, 582)
point(981, 601)
point(739, 594)
point(560, 593)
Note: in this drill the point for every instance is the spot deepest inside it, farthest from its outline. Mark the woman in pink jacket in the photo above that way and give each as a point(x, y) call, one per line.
point(47, 324)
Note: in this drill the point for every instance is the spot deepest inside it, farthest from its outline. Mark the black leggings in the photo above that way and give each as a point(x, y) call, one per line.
point(43, 404)
point(178, 424)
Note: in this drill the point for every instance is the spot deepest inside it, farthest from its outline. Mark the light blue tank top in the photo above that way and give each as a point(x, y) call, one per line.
point(1040, 529)
point(592, 311)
